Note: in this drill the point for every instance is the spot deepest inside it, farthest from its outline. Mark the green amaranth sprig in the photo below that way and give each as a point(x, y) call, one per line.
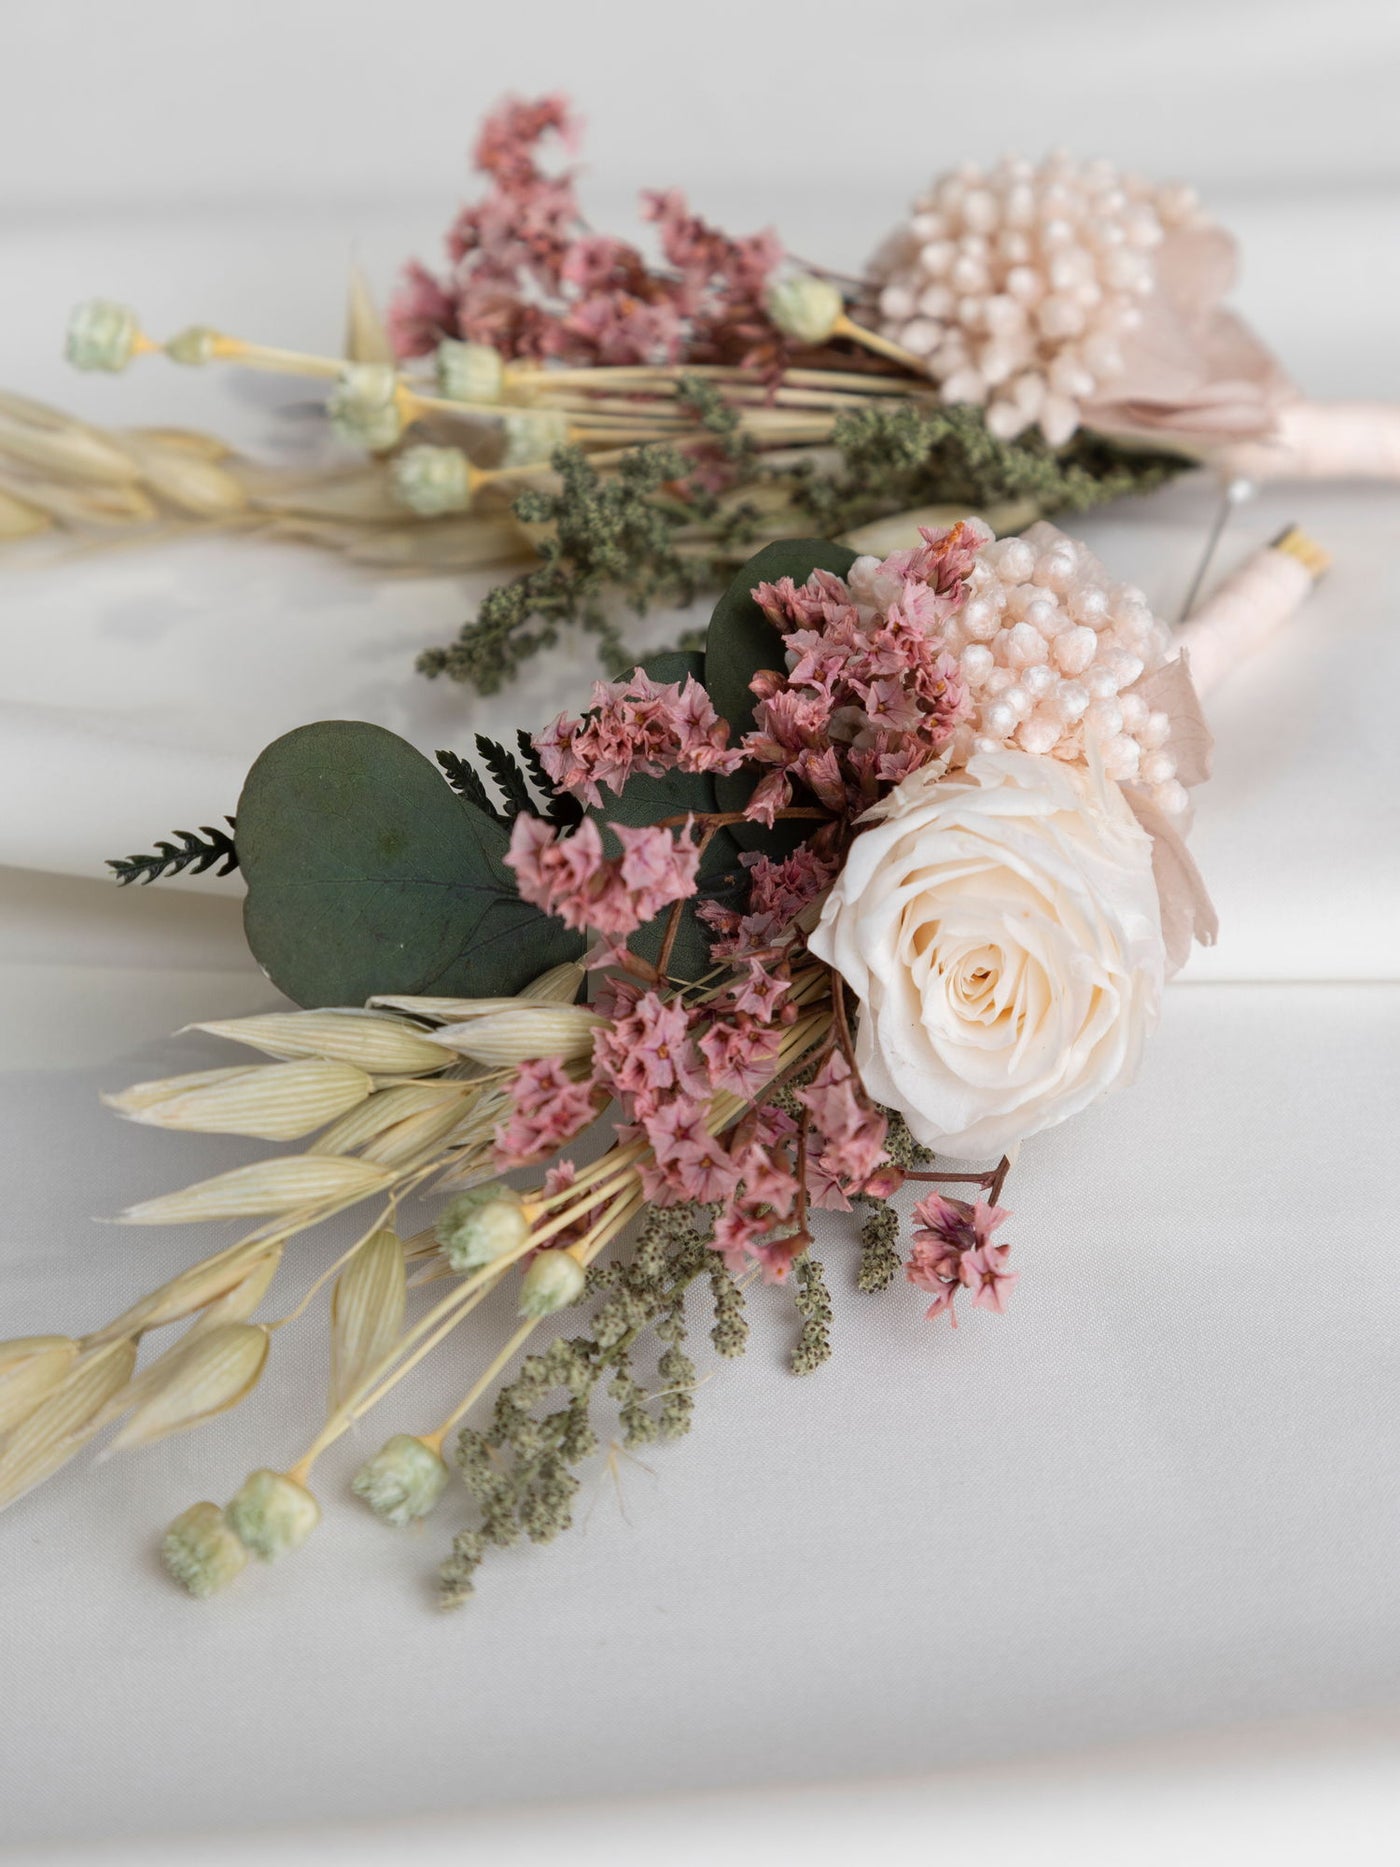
point(901, 457)
point(612, 536)
point(519, 1470)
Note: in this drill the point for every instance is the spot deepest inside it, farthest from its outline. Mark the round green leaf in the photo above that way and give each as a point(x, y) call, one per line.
point(367, 874)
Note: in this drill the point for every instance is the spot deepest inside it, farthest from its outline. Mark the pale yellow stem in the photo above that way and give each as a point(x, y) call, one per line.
point(882, 347)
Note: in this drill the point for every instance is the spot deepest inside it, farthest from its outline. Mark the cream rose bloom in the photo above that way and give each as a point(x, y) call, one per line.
point(1000, 928)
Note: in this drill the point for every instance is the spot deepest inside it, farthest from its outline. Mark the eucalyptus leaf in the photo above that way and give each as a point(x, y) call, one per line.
point(740, 642)
point(366, 874)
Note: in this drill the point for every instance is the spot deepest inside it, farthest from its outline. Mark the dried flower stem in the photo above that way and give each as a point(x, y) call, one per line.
point(624, 1209)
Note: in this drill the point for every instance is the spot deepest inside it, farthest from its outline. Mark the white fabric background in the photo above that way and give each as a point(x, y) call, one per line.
point(1160, 1496)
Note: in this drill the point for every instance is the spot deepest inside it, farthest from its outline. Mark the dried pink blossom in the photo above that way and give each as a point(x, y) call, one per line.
point(871, 691)
point(737, 1234)
point(983, 1273)
point(850, 1133)
point(529, 277)
point(568, 875)
point(760, 991)
point(953, 1251)
point(740, 1053)
point(778, 893)
point(548, 1109)
point(768, 1179)
point(635, 727)
point(648, 1050)
point(420, 313)
point(774, 1255)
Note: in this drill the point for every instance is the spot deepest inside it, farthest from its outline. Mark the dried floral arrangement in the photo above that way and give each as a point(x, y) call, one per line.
point(886, 879)
point(1033, 340)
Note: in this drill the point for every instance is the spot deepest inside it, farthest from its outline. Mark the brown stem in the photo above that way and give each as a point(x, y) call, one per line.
point(717, 819)
point(673, 927)
point(967, 1179)
point(673, 924)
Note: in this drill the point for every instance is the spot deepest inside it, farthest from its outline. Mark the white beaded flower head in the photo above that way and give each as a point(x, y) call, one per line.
point(1016, 288)
point(1058, 658)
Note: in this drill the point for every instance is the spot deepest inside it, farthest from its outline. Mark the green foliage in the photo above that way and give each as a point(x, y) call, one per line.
point(879, 1247)
point(812, 1300)
point(513, 777)
point(562, 807)
point(366, 874)
point(519, 1470)
point(196, 853)
point(897, 457)
point(466, 781)
point(612, 538)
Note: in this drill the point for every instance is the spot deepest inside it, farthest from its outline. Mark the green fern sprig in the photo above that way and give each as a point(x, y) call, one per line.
point(192, 853)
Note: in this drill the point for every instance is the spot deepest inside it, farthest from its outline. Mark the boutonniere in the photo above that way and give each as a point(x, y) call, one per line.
point(601, 420)
point(831, 915)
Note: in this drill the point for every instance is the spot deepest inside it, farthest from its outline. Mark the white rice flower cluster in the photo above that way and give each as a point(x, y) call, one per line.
point(1016, 287)
point(1051, 649)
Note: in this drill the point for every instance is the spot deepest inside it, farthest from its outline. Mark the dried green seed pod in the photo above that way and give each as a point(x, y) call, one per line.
point(554, 1280)
point(804, 308)
point(531, 436)
point(469, 372)
point(481, 1225)
point(193, 347)
point(102, 335)
point(272, 1514)
point(201, 1552)
point(402, 1482)
point(364, 406)
point(432, 480)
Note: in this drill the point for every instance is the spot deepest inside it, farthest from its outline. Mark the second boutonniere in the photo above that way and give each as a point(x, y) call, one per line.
point(886, 880)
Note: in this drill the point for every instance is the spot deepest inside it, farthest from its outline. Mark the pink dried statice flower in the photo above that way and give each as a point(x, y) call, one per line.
point(530, 278)
point(506, 142)
point(850, 1134)
point(649, 1051)
point(636, 727)
point(569, 876)
point(548, 1108)
point(778, 893)
point(760, 991)
point(421, 313)
point(953, 1251)
point(870, 691)
point(740, 1052)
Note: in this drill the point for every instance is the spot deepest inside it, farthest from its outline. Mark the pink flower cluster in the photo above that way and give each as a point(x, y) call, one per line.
point(665, 1062)
point(527, 276)
point(953, 1251)
point(635, 727)
point(778, 893)
point(548, 1108)
point(570, 876)
point(850, 1137)
point(870, 692)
